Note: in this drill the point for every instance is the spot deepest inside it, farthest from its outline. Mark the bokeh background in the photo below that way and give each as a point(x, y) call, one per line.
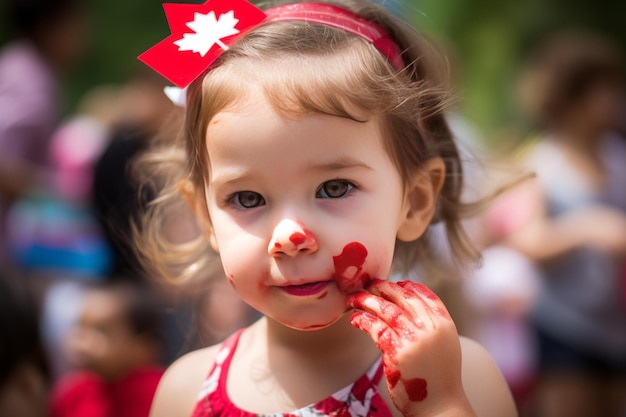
point(488, 40)
point(69, 217)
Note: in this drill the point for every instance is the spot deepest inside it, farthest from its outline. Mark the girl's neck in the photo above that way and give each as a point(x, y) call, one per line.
point(332, 343)
point(272, 360)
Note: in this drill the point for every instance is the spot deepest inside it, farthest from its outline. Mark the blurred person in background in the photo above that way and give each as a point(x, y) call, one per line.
point(575, 226)
point(47, 38)
point(55, 231)
point(503, 290)
point(143, 112)
point(24, 376)
point(53, 234)
point(115, 349)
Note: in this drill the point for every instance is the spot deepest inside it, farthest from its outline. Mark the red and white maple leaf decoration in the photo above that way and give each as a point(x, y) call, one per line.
point(183, 56)
point(209, 31)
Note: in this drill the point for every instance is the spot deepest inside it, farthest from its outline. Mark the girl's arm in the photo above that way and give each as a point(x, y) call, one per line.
point(178, 390)
point(483, 382)
point(542, 237)
point(429, 371)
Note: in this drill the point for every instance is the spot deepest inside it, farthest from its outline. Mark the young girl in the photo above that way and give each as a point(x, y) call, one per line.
point(315, 156)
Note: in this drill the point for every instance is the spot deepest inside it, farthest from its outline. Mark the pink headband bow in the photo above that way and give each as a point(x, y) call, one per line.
point(201, 32)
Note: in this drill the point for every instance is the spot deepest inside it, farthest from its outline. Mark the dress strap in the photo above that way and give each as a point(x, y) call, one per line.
point(216, 379)
point(377, 371)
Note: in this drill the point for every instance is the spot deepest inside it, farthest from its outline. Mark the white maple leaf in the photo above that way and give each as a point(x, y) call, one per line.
point(208, 31)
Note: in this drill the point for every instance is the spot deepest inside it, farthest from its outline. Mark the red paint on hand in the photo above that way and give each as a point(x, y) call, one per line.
point(419, 288)
point(393, 376)
point(416, 389)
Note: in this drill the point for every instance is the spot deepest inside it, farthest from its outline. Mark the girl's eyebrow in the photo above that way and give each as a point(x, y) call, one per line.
point(234, 175)
point(339, 164)
point(229, 176)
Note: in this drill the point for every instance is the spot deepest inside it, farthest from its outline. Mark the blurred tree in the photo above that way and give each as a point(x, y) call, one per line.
point(491, 38)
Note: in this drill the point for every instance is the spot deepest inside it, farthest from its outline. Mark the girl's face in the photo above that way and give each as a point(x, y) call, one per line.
point(303, 209)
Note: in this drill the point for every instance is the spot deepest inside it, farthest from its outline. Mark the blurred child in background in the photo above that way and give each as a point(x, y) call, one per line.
point(24, 376)
point(576, 224)
point(115, 350)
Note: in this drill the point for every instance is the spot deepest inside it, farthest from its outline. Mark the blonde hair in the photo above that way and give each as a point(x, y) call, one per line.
point(307, 68)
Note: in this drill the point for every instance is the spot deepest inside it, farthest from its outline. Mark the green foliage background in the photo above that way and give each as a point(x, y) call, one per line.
point(487, 39)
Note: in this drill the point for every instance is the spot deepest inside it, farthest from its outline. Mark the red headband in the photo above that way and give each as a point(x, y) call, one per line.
point(216, 24)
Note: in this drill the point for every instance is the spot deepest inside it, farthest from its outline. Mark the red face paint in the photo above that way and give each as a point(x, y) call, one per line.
point(297, 238)
point(348, 266)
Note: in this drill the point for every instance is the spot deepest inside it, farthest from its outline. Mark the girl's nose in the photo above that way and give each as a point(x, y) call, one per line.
point(290, 238)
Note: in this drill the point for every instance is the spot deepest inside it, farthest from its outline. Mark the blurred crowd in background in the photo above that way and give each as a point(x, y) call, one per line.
point(86, 331)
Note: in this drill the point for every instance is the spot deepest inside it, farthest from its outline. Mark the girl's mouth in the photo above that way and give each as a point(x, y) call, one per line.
point(309, 289)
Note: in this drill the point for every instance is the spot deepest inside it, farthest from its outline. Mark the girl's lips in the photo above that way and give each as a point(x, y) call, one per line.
point(304, 290)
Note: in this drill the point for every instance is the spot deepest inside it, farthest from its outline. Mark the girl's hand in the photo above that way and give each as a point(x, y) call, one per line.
point(420, 345)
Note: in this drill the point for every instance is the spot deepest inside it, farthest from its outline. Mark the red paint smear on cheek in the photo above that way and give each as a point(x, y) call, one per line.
point(416, 389)
point(348, 266)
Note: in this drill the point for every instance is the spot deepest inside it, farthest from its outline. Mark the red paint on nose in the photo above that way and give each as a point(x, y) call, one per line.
point(278, 245)
point(297, 238)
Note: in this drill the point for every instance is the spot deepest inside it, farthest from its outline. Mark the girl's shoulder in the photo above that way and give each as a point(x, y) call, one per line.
point(178, 390)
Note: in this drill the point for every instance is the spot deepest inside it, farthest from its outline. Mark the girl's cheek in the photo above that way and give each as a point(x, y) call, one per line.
point(231, 281)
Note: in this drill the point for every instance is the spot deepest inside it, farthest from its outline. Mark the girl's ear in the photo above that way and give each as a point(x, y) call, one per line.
point(196, 202)
point(420, 199)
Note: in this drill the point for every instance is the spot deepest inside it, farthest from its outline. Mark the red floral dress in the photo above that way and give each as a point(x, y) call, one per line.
point(359, 399)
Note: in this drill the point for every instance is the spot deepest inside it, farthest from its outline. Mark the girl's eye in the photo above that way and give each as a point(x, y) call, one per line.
point(247, 199)
point(334, 189)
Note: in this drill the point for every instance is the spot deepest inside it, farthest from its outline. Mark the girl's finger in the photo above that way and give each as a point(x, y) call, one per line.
point(383, 336)
point(394, 316)
point(427, 296)
point(418, 309)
